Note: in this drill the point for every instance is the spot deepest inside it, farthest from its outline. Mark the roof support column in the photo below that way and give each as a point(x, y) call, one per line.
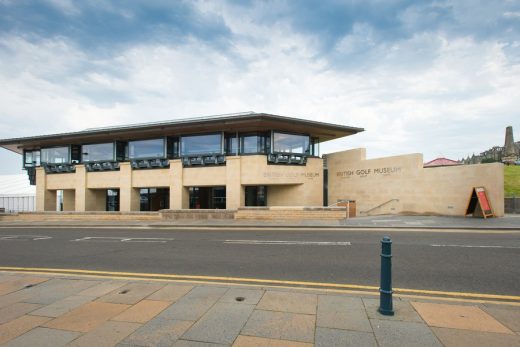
point(179, 194)
point(129, 196)
point(45, 199)
point(234, 190)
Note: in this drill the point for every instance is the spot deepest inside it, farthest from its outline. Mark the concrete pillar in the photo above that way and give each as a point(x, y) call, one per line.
point(45, 199)
point(81, 196)
point(129, 196)
point(235, 193)
point(179, 195)
point(69, 200)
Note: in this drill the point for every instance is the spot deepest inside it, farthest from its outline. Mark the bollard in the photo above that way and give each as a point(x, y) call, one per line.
point(385, 291)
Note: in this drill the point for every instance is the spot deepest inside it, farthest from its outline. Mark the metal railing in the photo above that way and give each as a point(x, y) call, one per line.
point(378, 206)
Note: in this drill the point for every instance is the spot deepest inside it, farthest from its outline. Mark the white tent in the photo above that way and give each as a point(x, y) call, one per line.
point(16, 194)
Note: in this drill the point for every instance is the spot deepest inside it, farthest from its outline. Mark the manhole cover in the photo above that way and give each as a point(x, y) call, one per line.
point(240, 298)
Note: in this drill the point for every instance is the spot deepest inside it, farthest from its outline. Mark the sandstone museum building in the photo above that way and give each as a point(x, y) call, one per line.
point(238, 161)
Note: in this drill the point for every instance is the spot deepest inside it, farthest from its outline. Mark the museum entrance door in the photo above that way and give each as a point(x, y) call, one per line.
point(208, 197)
point(154, 199)
point(256, 195)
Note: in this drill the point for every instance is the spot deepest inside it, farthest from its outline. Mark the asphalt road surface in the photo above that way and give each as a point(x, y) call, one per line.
point(462, 262)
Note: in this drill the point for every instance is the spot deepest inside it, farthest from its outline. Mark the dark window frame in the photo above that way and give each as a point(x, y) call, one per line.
point(165, 148)
point(307, 153)
point(69, 154)
point(267, 146)
point(222, 144)
point(114, 149)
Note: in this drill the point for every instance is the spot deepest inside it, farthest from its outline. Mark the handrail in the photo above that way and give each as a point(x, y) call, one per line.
point(380, 205)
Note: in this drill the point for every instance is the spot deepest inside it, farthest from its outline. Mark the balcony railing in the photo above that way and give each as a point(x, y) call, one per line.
point(102, 166)
point(203, 160)
point(150, 164)
point(58, 168)
point(287, 158)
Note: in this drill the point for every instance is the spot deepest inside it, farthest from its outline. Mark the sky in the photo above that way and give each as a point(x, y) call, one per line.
point(440, 78)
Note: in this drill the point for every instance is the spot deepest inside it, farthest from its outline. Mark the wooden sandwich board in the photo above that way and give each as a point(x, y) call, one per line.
point(478, 204)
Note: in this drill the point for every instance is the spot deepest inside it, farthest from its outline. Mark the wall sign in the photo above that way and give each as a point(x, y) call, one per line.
point(385, 171)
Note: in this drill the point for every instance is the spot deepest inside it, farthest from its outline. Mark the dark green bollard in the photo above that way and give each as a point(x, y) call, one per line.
point(385, 291)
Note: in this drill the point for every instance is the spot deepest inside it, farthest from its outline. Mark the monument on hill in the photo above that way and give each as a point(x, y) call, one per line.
point(511, 154)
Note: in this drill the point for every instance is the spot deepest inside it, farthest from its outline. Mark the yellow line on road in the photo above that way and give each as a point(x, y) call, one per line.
point(265, 286)
point(262, 281)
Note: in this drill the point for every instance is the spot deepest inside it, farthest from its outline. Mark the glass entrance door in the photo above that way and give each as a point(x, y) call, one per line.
point(208, 197)
point(256, 195)
point(112, 200)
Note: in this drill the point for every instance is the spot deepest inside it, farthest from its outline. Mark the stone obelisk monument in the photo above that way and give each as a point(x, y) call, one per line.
point(510, 155)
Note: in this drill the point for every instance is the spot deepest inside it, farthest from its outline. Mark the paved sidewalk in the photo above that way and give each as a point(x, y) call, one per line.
point(46, 310)
point(509, 222)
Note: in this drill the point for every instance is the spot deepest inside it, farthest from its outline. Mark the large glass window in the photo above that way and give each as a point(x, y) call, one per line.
point(55, 155)
point(145, 149)
point(291, 143)
point(231, 144)
point(154, 199)
point(98, 152)
point(256, 195)
point(201, 144)
point(254, 143)
point(32, 158)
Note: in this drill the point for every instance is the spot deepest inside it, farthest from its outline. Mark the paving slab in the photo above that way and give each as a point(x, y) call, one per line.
point(341, 312)
point(102, 288)
point(221, 324)
point(63, 306)
point(43, 337)
point(13, 283)
point(253, 341)
point(281, 325)
point(326, 337)
point(106, 335)
point(403, 310)
point(171, 292)
point(508, 316)
point(143, 311)
point(457, 337)
point(288, 302)
point(56, 289)
point(250, 296)
point(13, 298)
point(403, 334)
point(87, 317)
point(16, 310)
point(194, 304)
point(19, 326)
point(459, 317)
point(157, 332)
point(186, 343)
point(131, 293)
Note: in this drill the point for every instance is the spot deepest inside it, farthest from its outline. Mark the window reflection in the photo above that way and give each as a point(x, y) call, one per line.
point(201, 144)
point(55, 155)
point(146, 149)
point(98, 152)
point(254, 143)
point(32, 158)
point(291, 143)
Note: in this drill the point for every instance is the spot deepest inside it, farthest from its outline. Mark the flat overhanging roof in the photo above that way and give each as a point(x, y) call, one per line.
point(239, 122)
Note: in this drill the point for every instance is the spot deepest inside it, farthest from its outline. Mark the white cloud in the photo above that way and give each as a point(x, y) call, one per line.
point(427, 93)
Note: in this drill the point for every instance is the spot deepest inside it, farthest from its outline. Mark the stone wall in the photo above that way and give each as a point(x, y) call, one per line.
point(291, 213)
point(401, 184)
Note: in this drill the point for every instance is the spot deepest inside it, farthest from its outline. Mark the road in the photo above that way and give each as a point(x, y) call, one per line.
point(454, 261)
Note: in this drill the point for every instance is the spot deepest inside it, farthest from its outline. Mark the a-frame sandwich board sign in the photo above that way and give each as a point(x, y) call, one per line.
point(479, 204)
